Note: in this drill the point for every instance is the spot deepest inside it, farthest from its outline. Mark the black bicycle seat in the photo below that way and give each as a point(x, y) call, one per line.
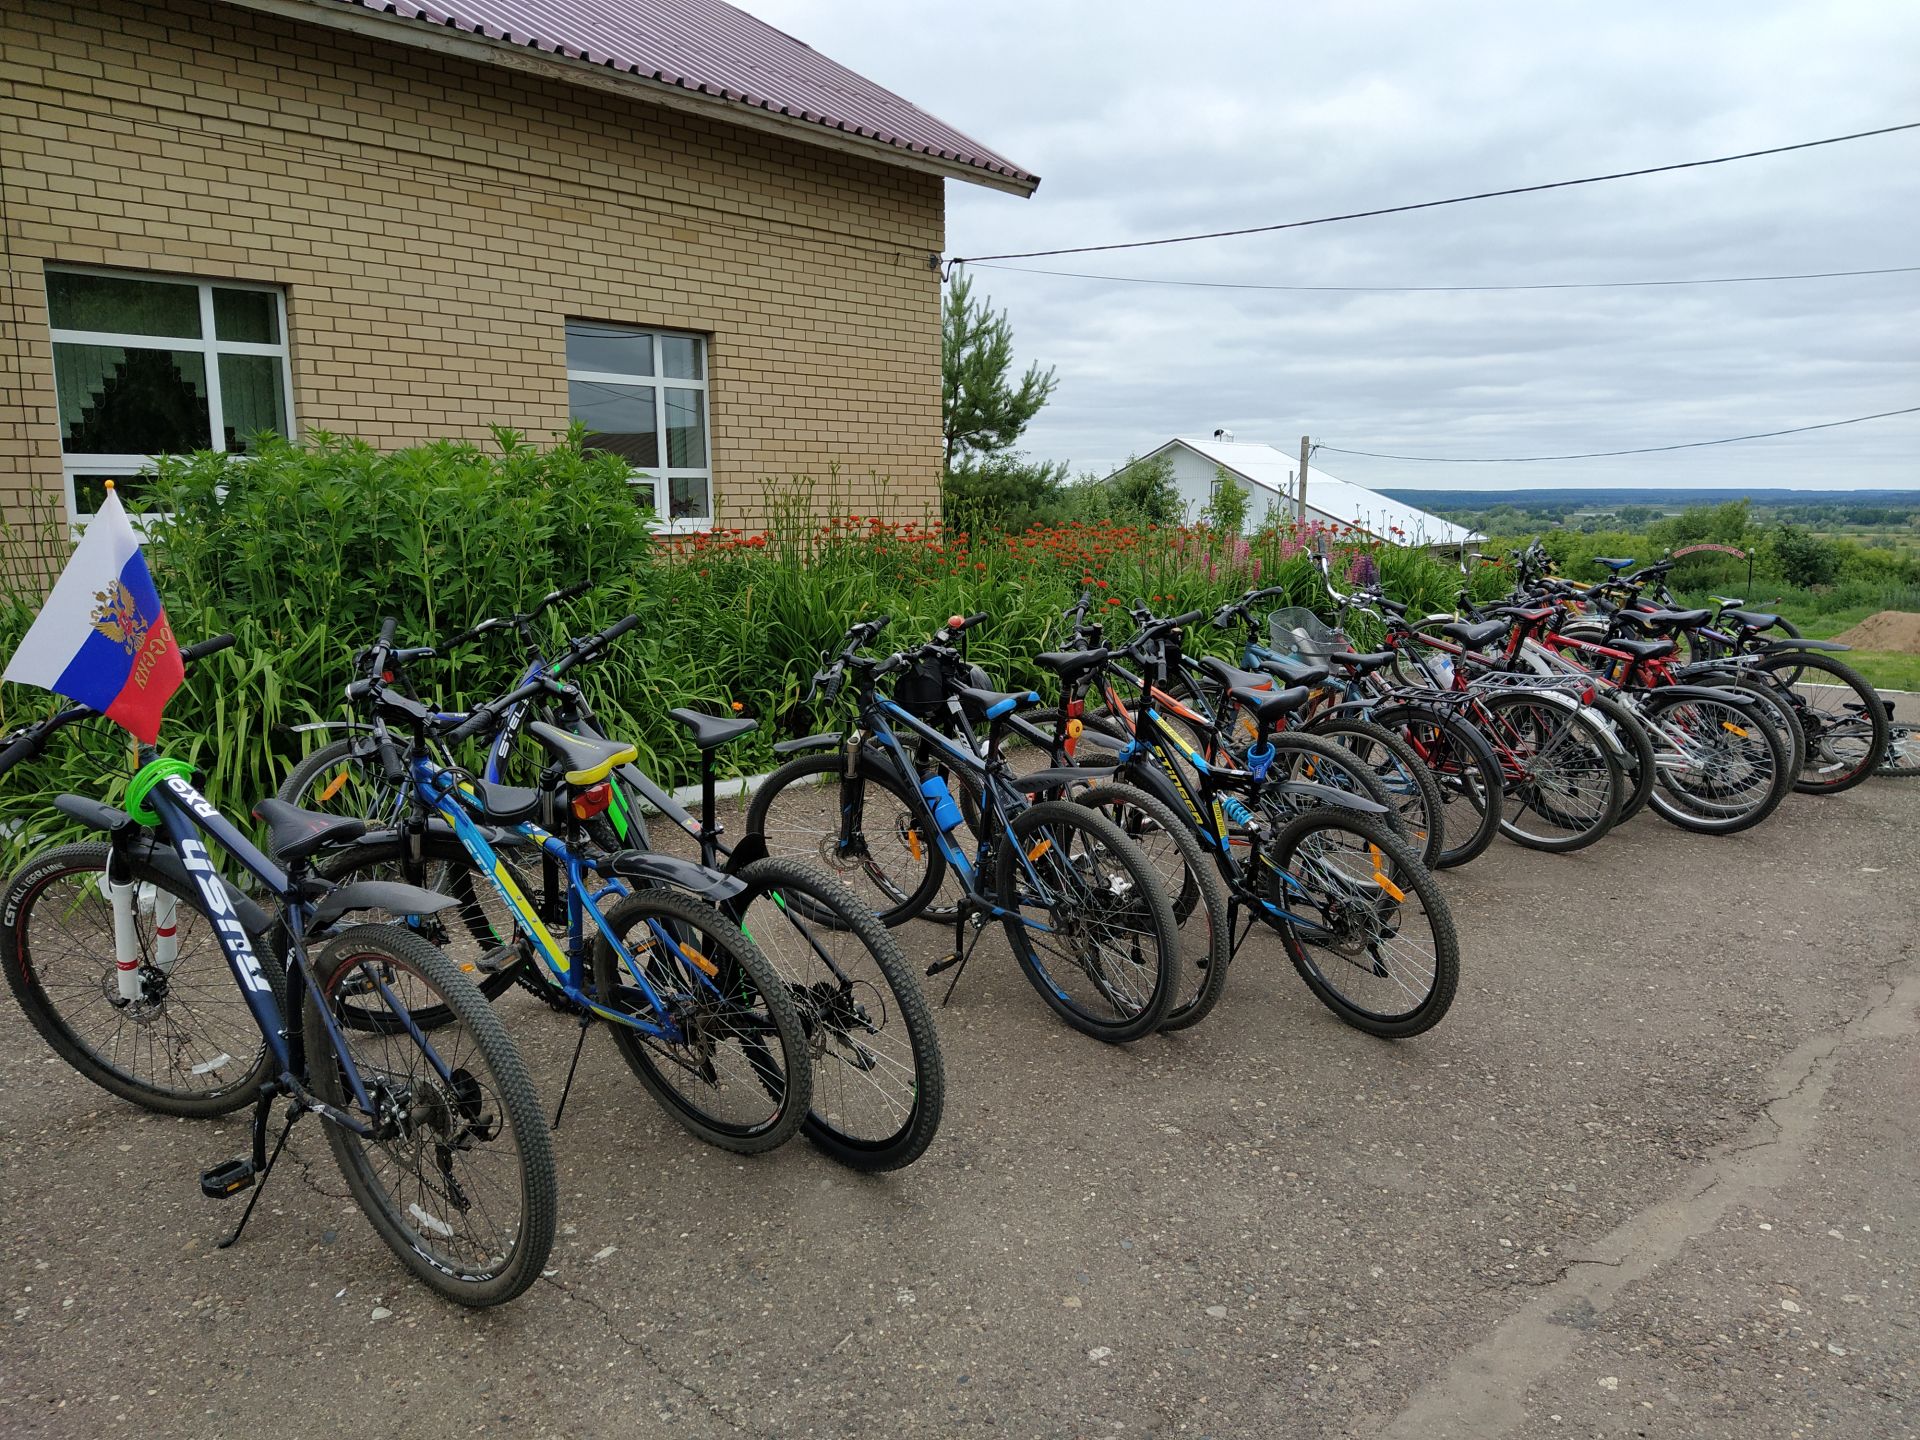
point(710, 732)
point(295, 834)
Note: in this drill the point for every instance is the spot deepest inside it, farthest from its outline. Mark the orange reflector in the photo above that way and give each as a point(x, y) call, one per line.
point(913, 842)
point(1039, 850)
point(592, 801)
point(707, 967)
point(1729, 725)
point(1380, 877)
point(333, 787)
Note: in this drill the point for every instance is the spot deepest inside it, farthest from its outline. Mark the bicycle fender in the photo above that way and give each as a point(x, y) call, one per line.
point(753, 848)
point(709, 885)
point(1604, 725)
point(388, 895)
point(826, 739)
point(1775, 647)
point(1744, 700)
point(1326, 795)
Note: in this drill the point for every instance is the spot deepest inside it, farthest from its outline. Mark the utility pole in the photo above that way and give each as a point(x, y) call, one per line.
point(1300, 504)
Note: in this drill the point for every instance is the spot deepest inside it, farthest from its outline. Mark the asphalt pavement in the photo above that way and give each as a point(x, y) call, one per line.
point(1653, 1176)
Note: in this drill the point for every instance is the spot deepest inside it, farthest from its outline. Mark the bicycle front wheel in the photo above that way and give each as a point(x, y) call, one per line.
point(739, 1071)
point(878, 1081)
point(457, 1172)
point(1374, 939)
point(1466, 770)
point(1089, 920)
point(1843, 717)
point(1724, 768)
point(1563, 780)
point(186, 1043)
point(864, 830)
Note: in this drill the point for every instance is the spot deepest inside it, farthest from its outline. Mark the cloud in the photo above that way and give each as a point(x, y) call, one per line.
point(1146, 122)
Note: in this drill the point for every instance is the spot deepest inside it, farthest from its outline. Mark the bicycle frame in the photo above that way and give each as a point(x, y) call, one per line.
point(440, 790)
point(185, 814)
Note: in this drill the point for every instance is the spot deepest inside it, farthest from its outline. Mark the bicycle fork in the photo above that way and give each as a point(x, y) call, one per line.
point(132, 901)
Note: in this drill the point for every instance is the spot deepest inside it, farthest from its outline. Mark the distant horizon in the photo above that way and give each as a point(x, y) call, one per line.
point(1637, 494)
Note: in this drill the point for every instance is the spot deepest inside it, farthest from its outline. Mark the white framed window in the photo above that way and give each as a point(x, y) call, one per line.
point(642, 394)
point(147, 365)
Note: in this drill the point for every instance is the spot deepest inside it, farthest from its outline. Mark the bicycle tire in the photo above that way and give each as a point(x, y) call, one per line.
point(1640, 771)
point(1593, 779)
point(458, 1110)
point(1832, 769)
point(337, 780)
point(1680, 803)
point(896, 886)
point(1902, 761)
point(1132, 901)
point(1409, 784)
point(1359, 907)
point(225, 1060)
point(723, 1013)
point(844, 1033)
point(1197, 895)
point(1466, 769)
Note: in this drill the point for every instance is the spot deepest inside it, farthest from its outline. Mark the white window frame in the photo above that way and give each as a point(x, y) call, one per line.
point(658, 477)
point(208, 347)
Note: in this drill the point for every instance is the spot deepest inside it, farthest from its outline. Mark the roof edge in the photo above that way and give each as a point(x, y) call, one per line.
point(467, 45)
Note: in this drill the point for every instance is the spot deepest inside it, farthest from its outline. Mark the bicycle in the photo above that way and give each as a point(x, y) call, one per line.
point(1084, 911)
point(1362, 920)
point(878, 1086)
point(441, 1140)
point(695, 1010)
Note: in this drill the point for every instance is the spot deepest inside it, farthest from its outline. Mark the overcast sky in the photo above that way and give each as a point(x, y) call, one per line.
point(1147, 119)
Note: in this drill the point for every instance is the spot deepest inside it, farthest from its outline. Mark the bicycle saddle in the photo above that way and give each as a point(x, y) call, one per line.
point(1267, 705)
point(587, 758)
point(1233, 678)
point(1613, 563)
point(710, 732)
point(1663, 622)
point(1751, 619)
point(1069, 663)
point(992, 704)
point(1362, 664)
point(1296, 672)
point(295, 834)
point(1643, 649)
point(1474, 636)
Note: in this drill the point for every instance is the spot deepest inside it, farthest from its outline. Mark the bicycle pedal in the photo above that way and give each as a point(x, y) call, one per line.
point(940, 965)
point(228, 1179)
point(497, 959)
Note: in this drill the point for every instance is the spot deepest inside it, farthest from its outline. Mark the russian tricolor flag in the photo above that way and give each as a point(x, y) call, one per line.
point(102, 637)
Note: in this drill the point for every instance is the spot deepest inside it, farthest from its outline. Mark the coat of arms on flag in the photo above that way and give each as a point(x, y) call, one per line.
point(102, 636)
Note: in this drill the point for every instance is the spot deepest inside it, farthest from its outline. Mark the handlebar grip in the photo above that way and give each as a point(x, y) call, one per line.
point(830, 692)
point(212, 645)
point(619, 627)
point(571, 592)
point(1192, 617)
point(481, 719)
point(387, 627)
point(390, 759)
point(973, 620)
point(25, 748)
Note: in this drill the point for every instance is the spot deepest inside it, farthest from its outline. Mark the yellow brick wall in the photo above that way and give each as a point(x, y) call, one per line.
point(435, 222)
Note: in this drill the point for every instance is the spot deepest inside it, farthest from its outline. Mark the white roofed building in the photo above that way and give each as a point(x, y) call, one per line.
point(1268, 476)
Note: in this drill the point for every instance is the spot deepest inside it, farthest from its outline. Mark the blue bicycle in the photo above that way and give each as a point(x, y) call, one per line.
point(1084, 910)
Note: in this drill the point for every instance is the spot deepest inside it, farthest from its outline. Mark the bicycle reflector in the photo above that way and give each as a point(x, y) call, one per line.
point(592, 801)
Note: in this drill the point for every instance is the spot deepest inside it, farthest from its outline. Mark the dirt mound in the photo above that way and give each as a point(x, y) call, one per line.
point(1889, 630)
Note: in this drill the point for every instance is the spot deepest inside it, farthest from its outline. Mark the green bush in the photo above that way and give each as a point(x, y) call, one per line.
point(300, 550)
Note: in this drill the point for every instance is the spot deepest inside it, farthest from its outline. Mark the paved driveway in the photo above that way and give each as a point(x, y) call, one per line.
point(1655, 1175)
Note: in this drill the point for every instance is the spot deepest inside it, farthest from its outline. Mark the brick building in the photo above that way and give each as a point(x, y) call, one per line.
point(676, 223)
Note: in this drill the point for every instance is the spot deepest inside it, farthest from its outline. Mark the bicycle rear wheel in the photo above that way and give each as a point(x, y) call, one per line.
point(739, 1075)
point(1409, 785)
point(879, 1084)
point(457, 1174)
point(1726, 767)
point(1193, 887)
point(1089, 920)
point(188, 1044)
point(1378, 947)
point(1466, 770)
point(1842, 715)
point(1564, 783)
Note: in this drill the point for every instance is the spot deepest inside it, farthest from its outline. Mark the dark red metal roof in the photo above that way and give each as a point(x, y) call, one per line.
point(711, 48)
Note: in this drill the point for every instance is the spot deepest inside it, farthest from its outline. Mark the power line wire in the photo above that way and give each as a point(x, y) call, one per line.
point(1434, 204)
point(1599, 454)
point(1451, 289)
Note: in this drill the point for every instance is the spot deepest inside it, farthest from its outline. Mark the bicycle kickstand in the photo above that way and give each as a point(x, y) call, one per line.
point(962, 949)
point(586, 1019)
point(238, 1175)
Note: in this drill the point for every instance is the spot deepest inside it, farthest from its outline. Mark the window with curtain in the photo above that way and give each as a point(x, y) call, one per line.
point(148, 365)
point(642, 394)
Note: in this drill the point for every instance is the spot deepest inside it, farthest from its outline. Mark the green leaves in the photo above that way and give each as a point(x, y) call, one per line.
point(984, 413)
